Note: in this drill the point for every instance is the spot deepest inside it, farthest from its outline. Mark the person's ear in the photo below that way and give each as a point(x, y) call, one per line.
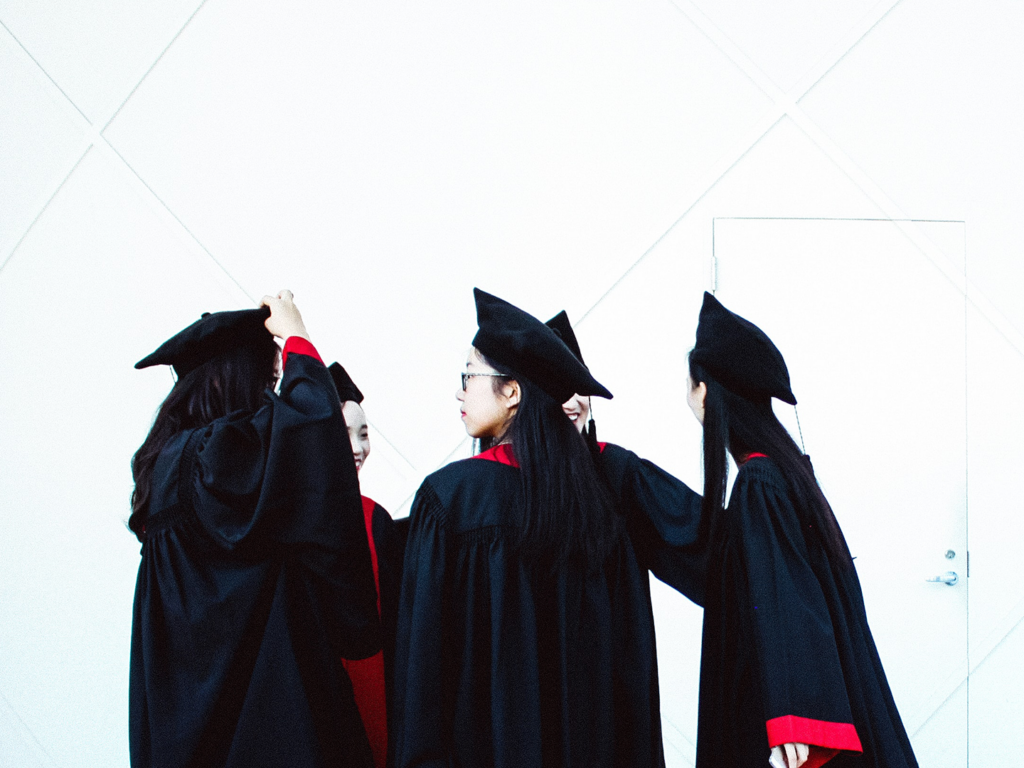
point(512, 394)
point(702, 393)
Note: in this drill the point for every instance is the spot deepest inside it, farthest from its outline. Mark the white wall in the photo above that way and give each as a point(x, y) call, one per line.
point(162, 159)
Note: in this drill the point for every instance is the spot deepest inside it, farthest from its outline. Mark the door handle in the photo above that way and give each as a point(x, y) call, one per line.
point(949, 578)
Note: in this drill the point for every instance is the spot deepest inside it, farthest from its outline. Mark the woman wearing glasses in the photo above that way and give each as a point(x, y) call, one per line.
point(524, 634)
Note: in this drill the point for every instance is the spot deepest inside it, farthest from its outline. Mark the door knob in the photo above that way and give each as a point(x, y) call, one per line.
point(949, 578)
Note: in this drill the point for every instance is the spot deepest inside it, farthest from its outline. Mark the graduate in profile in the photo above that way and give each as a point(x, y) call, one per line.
point(256, 578)
point(525, 635)
point(789, 669)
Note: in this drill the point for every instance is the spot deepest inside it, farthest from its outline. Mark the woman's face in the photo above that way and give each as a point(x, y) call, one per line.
point(486, 409)
point(577, 408)
point(695, 395)
point(358, 432)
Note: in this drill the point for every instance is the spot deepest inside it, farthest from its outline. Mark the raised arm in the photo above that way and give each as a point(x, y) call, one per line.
point(663, 519)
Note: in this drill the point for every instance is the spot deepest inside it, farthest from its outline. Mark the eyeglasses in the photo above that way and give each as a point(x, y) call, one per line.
point(466, 376)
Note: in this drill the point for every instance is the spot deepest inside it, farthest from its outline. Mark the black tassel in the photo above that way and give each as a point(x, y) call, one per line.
point(590, 438)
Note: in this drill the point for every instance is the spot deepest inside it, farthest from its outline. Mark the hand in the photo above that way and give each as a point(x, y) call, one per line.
point(284, 320)
point(790, 755)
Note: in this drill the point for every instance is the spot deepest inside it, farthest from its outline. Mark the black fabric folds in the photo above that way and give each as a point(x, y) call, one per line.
point(389, 539)
point(503, 661)
point(786, 634)
point(662, 517)
point(255, 579)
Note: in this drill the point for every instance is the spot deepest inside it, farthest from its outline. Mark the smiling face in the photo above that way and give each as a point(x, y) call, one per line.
point(577, 408)
point(486, 408)
point(358, 432)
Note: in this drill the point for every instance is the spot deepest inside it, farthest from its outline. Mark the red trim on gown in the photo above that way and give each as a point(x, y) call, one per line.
point(825, 739)
point(367, 675)
point(299, 346)
point(502, 453)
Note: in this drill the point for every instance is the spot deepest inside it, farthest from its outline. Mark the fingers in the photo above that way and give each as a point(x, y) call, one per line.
point(284, 295)
point(273, 302)
point(802, 752)
point(285, 319)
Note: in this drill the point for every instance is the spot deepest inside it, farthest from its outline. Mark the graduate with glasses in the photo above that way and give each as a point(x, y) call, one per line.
point(525, 634)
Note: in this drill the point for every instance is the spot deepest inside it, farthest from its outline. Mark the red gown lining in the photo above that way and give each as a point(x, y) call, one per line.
point(825, 739)
point(367, 675)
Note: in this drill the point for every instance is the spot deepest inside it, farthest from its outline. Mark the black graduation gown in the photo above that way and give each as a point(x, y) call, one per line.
point(389, 537)
point(787, 653)
point(255, 580)
point(663, 518)
point(372, 678)
point(503, 664)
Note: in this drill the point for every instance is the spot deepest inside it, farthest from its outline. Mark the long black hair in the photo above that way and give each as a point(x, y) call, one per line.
point(233, 381)
point(570, 515)
point(741, 426)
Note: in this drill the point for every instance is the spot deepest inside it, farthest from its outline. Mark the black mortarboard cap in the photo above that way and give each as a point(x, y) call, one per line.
point(561, 326)
point(209, 336)
point(739, 354)
point(517, 340)
point(347, 389)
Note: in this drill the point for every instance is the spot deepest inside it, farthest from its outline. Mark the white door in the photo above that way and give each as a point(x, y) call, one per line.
point(871, 321)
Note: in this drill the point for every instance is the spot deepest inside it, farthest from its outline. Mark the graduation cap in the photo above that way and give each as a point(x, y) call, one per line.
point(739, 354)
point(561, 326)
point(209, 336)
point(347, 389)
point(511, 337)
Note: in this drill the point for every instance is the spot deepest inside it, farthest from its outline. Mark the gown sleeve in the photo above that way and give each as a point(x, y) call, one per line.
point(282, 483)
point(422, 714)
point(802, 684)
point(663, 519)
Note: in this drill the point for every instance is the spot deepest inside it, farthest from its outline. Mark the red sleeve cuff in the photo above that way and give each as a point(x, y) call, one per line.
point(299, 346)
point(819, 733)
point(818, 756)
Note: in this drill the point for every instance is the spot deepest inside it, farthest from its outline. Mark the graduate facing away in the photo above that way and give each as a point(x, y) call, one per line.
point(525, 635)
point(788, 664)
point(256, 578)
